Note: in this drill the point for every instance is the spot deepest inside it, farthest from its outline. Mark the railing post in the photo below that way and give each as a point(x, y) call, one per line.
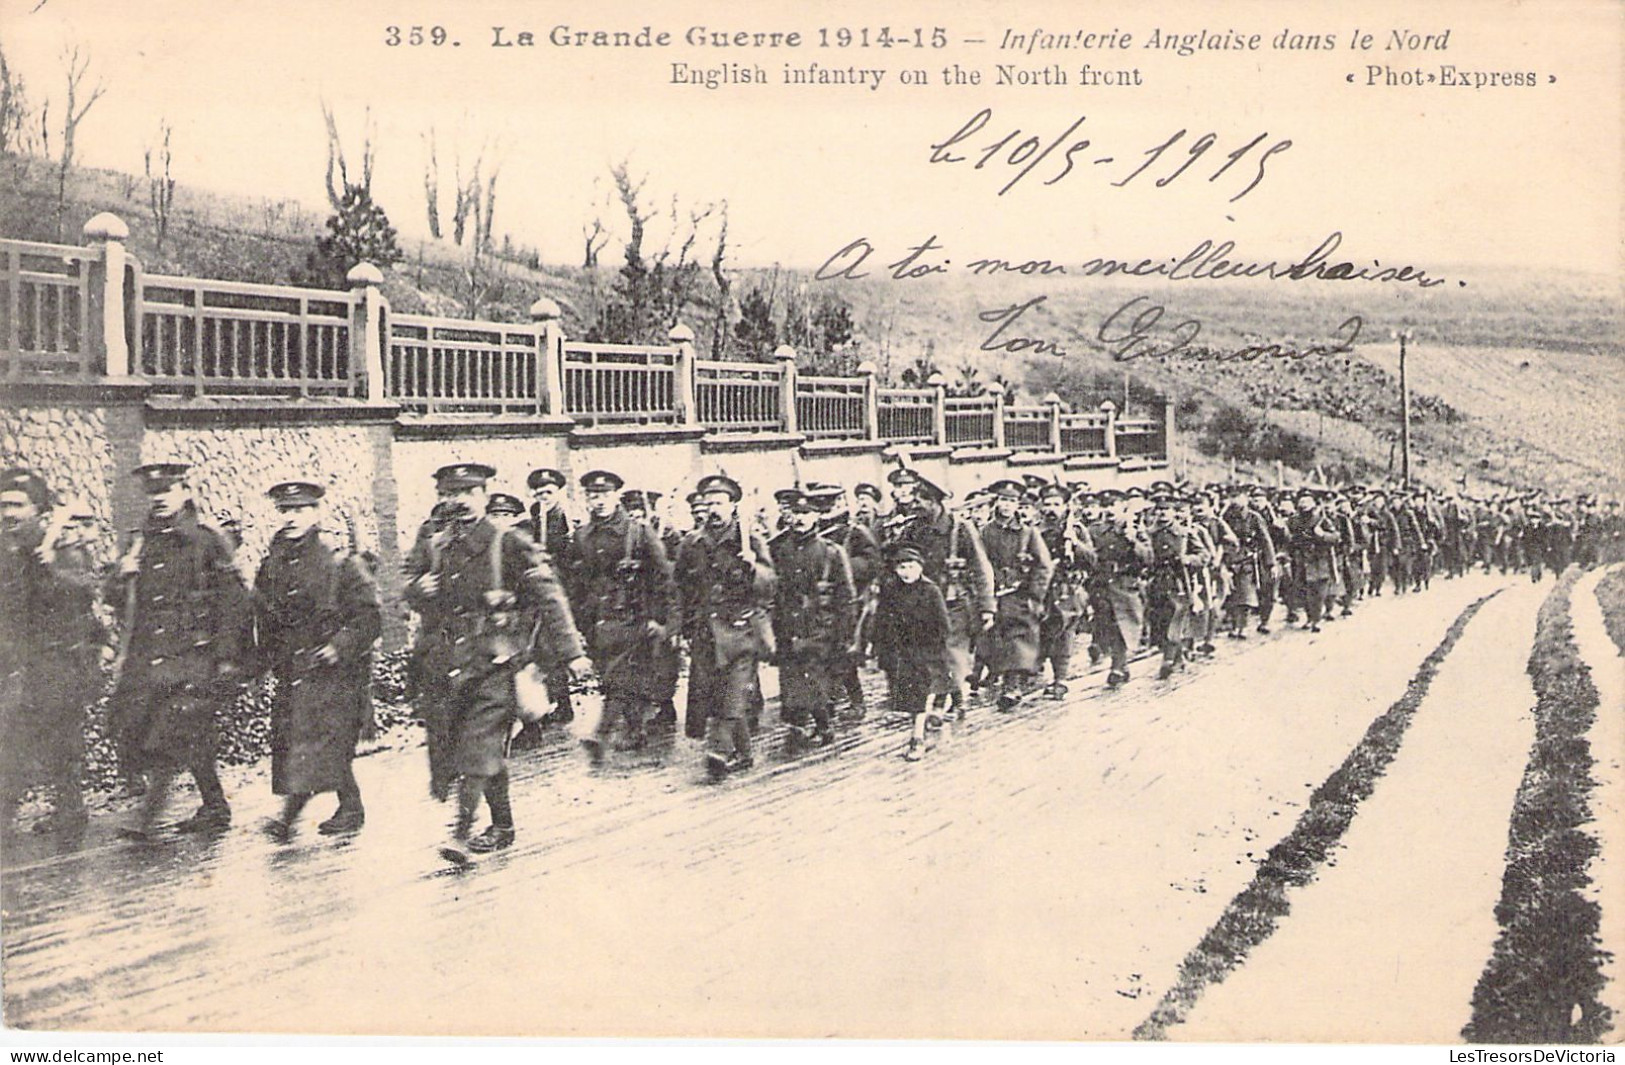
point(1109, 409)
point(786, 356)
point(871, 399)
point(939, 409)
point(996, 390)
point(1053, 402)
point(1168, 430)
point(367, 329)
point(107, 232)
point(688, 412)
point(549, 324)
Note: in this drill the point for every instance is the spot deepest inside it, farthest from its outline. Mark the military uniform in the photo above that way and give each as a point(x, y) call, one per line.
point(627, 610)
point(1116, 595)
point(862, 549)
point(313, 593)
point(50, 648)
point(1176, 550)
point(1022, 571)
point(549, 528)
point(1314, 543)
point(187, 613)
point(1065, 605)
point(725, 585)
point(813, 618)
point(497, 605)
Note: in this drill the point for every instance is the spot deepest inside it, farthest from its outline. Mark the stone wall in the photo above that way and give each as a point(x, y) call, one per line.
point(233, 465)
point(68, 447)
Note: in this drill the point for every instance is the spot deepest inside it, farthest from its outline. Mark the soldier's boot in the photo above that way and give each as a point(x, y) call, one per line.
point(350, 815)
point(796, 733)
point(492, 839)
point(215, 814)
point(823, 732)
point(469, 792)
point(916, 740)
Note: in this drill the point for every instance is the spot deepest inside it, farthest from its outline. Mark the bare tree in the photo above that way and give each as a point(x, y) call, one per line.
point(80, 100)
point(431, 182)
point(160, 185)
point(724, 283)
point(16, 127)
point(630, 193)
point(338, 165)
point(486, 199)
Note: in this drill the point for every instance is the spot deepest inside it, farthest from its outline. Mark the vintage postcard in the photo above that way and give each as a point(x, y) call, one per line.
point(965, 520)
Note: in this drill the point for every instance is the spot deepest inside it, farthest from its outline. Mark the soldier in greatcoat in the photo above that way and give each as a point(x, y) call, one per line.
point(1251, 563)
point(1022, 571)
point(185, 612)
point(316, 615)
point(1176, 551)
point(1116, 596)
point(857, 539)
point(489, 602)
point(51, 647)
point(626, 607)
point(911, 645)
point(1314, 543)
point(952, 554)
point(814, 611)
point(549, 529)
point(725, 586)
point(1073, 552)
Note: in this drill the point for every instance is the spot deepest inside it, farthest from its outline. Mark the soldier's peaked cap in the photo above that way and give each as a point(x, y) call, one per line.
point(930, 489)
point(296, 493)
point(601, 481)
point(464, 475)
point(903, 475)
point(1054, 491)
point(720, 484)
point(504, 503)
point(639, 498)
point(787, 496)
point(867, 489)
point(544, 476)
point(1006, 489)
point(159, 476)
point(17, 479)
point(906, 553)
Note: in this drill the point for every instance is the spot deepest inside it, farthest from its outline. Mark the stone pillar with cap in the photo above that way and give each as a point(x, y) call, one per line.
point(548, 322)
point(1168, 430)
point(1056, 408)
point(870, 373)
point(367, 340)
point(682, 338)
point(786, 357)
point(996, 390)
point(106, 234)
point(1109, 409)
point(939, 408)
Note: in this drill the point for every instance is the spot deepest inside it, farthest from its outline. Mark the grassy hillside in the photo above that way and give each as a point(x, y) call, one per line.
point(1515, 378)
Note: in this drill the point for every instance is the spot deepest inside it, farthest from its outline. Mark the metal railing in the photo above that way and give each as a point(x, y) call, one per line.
point(456, 366)
point(832, 408)
point(206, 337)
point(1085, 434)
point(908, 415)
point(739, 397)
point(1139, 438)
point(45, 311)
point(971, 421)
point(620, 384)
point(1028, 428)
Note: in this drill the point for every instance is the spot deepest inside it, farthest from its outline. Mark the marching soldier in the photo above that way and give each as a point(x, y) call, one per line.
point(1073, 553)
point(1175, 553)
point(641, 504)
point(1314, 541)
point(1211, 579)
point(507, 511)
point(866, 507)
point(550, 531)
point(857, 539)
point(1383, 542)
point(1022, 571)
point(51, 646)
point(481, 592)
point(1251, 563)
point(627, 610)
point(813, 618)
point(725, 585)
point(952, 556)
point(1116, 601)
point(185, 612)
point(316, 615)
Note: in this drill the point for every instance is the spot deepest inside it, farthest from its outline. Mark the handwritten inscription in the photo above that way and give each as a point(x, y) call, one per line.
point(1024, 152)
point(1207, 260)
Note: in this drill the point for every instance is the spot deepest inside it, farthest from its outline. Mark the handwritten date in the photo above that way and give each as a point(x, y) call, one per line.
point(1024, 152)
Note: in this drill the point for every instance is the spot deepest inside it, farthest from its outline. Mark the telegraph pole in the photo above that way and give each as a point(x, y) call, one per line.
point(1404, 415)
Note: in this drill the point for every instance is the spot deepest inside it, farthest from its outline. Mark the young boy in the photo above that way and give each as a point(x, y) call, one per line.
point(911, 643)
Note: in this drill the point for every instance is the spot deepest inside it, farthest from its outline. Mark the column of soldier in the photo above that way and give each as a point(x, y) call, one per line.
point(975, 602)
